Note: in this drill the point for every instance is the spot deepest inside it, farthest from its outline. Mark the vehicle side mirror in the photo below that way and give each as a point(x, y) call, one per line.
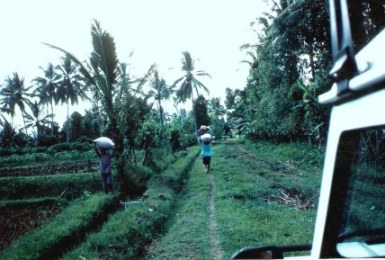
point(269, 252)
point(264, 252)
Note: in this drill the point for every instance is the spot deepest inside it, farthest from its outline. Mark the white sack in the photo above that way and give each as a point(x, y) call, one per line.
point(206, 137)
point(104, 143)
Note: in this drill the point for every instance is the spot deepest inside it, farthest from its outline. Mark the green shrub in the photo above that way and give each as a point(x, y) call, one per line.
point(22, 151)
point(133, 181)
point(62, 147)
point(68, 147)
point(17, 160)
point(161, 161)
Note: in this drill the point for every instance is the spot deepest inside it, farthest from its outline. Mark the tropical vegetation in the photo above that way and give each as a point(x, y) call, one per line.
point(267, 161)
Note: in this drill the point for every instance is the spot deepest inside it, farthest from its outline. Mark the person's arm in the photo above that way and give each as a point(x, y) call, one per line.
point(97, 151)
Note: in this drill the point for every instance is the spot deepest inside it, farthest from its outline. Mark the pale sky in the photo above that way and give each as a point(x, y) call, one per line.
point(156, 31)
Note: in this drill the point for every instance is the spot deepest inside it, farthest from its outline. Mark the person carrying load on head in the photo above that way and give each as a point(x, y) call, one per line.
point(104, 149)
point(205, 142)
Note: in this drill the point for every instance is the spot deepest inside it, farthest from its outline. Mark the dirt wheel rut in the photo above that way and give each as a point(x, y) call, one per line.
point(216, 248)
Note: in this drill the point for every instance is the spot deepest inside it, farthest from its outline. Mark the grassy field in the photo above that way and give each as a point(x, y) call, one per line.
point(251, 197)
point(256, 194)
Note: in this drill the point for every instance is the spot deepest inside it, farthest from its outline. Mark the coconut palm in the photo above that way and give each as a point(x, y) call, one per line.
point(14, 94)
point(70, 87)
point(101, 71)
point(8, 134)
point(160, 91)
point(36, 120)
point(102, 74)
point(46, 88)
point(189, 82)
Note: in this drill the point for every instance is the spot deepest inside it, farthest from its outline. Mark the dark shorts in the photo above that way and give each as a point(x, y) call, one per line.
point(106, 178)
point(206, 160)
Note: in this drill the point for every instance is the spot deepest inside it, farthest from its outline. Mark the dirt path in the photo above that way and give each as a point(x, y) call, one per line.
point(216, 248)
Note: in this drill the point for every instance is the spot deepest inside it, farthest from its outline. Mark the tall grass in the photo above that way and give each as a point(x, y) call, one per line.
point(307, 157)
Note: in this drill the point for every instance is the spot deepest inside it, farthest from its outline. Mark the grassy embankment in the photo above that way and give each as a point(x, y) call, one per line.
point(61, 232)
point(256, 194)
point(38, 198)
point(128, 234)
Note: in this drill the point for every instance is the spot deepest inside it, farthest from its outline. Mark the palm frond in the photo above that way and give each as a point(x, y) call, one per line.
point(176, 82)
point(200, 84)
point(104, 47)
point(82, 68)
point(144, 79)
point(203, 73)
point(187, 62)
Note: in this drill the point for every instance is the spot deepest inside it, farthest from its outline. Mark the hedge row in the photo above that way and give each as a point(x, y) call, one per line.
point(68, 186)
point(127, 233)
point(16, 160)
point(76, 146)
point(64, 230)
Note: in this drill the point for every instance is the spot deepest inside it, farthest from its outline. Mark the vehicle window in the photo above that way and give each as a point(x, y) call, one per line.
point(364, 210)
point(367, 19)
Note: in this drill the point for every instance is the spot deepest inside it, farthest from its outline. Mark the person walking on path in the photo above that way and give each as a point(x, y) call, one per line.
point(105, 168)
point(205, 142)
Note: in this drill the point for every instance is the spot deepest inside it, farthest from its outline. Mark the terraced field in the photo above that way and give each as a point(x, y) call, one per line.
point(250, 197)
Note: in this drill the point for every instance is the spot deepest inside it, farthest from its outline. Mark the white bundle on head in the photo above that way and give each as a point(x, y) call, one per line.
point(206, 137)
point(104, 143)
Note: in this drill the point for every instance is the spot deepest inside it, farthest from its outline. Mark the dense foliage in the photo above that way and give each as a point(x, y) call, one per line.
point(288, 71)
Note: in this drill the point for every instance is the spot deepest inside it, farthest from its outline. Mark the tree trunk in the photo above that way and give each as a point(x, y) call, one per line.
point(161, 123)
point(195, 118)
point(52, 123)
point(311, 59)
point(68, 123)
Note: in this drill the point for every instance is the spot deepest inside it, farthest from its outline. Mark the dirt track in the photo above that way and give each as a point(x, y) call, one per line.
point(216, 248)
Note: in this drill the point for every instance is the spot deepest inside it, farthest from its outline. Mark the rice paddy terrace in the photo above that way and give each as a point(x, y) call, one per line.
point(254, 194)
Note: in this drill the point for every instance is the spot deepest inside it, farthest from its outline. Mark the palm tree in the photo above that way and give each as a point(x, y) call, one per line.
point(8, 134)
point(37, 120)
point(160, 91)
point(102, 74)
point(14, 94)
point(216, 109)
point(70, 87)
point(189, 82)
point(46, 88)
